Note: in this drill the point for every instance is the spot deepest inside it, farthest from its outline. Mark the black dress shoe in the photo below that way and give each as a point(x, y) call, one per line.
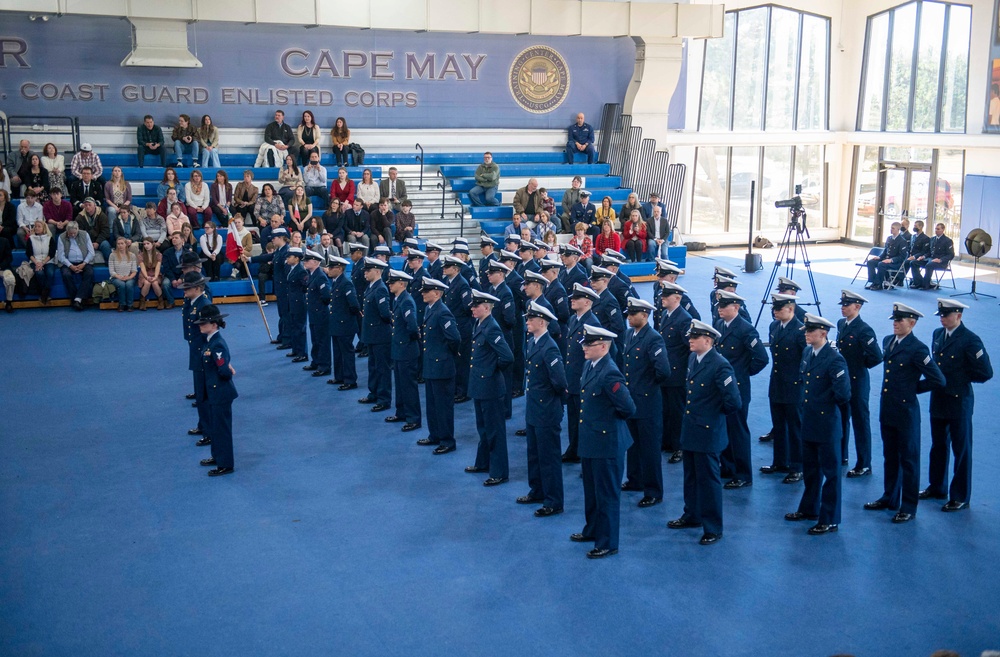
point(925, 494)
point(858, 472)
point(204, 441)
point(570, 458)
point(215, 472)
point(209, 461)
point(411, 426)
point(427, 441)
point(708, 539)
point(649, 501)
point(190, 395)
point(773, 469)
point(441, 449)
point(473, 469)
point(367, 400)
point(766, 438)
point(319, 373)
point(683, 523)
point(462, 399)
point(795, 516)
point(954, 506)
point(581, 538)
point(521, 432)
point(676, 457)
point(816, 530)
point(516, 394)
point(902, 517)
point(283, 347)
point(310, 368)
point(300, 359)
point(629, 486)
point(600, 553)
point(348, 386)
point(194, 432)
point(378, 408)
point(733, 484)
point(528, 499)
point(495, 481)
point(546, 511)
point(877, 505)
point(395, 418)
point(335, 382)
point(792, 478)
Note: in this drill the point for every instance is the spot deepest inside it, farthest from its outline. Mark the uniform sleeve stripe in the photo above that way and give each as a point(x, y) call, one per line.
point(839, 374)
point(728, 380)
point(979, 354)
point(927, 359)
point(658, 352)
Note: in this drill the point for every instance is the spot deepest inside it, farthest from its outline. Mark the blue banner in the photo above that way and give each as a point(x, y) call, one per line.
point(374, 78)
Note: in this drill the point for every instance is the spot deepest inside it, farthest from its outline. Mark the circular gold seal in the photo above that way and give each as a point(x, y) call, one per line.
point(539, 79)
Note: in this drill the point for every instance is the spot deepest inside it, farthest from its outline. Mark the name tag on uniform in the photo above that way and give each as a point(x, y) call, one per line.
point(728, 380)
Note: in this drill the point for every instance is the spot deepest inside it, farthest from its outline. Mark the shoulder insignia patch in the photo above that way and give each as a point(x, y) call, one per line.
point(407, 313)
point(870, 340)
point(447, 324)
point(499, 337)
point(839, 374)
point(754, 343)
point(614, 312)
point(561, 299)
point(554, 361)
point(728, 380)
point(382, 300)
point(979, 354)
point(927, 359)
point(616, 387)
point(465, 294)
point(657, 352)
point(507, 305)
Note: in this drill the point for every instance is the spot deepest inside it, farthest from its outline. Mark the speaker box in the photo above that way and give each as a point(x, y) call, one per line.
point(753, 262)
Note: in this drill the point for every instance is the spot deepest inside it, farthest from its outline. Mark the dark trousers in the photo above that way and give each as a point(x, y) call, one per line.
point(201, 401)
point(281, 294)
point(644, 464)
point(821, 472)
point(80, 286)
point(141, 151)
point(901, 451)
point(673, 412)
point(344, 364)
point(380, 372)
point(213, 267)
point(952, 435)
point(786, 432)
point(295, 323)
point(856, 414)
point(928, 276)
point(462, 361)
point(571, 151)
point(508, 398)
point(221, 430)
point(545, 465)
point(573, 424)
point(703, 490)
point(602, 491)
point(439, 395)
point(492, 428)
point(407, 391)
point(735, 458)
point(319, 333)
point(518, 372)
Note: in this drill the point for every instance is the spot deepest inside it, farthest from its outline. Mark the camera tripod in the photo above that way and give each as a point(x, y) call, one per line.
point(792, 244)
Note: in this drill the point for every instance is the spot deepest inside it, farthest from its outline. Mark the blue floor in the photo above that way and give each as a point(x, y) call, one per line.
point(337, 535)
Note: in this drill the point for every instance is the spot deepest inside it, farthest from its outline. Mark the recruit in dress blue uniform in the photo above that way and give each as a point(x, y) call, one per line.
point(581, 301)
point(344, 309)
point(857, 343)
point(405, 352)
point(674, 324)
point(219, 388)
point(441, 342)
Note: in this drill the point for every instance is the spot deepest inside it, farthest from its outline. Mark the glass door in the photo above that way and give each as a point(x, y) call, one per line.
point(902, 194)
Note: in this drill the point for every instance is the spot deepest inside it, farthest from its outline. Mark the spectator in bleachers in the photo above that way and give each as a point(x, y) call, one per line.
point(606, 213)
point(309, 136)
point(548, 204)
point(313, 232)
point(584, 213)
point(86, 157)
point(40, 250)
point(632, 203)
point(514, 228)
point(149, 277)
point(367, 191)
point(356, 224)
point(277, 221)
point(55, 164)
point(569, 199)
point(242, 238)
point(177, 217)
point(314, 178)
point(300, 209)
point(289, 177)
point(198, 198)
point(117, 195)
point(543, 224)
point(528, 202)
point(296, 240)
point(149, 141)
point(635, 237)
point(171, 267)
point(245, 197)
point(7, 273)
point(152, 226)
point(185, 138)
point(279, 141)
point(393, 188)
point(28, 212)
point(381, 221)
point(340, 139)
point(92, 221)
point(166, 207)
point(326, 247)
point(57, 212)
point(607, 239)
point(220, 194)
point(208, 142)
point(74, 254)
point(487, 181)
point(658, 233)
point(87, 186)
point(406, 222)
point(123, 267)
point(8, 217)
point(342, 189)
point(170, 181)
point(581, 140)
point(4, 180)
point(268, 204)
point(15, 161)
point(654, 200)
point(527, 235)
point(333, 220)
point(190, 241)
point(552, 242)
point(210, 245)
point(126, 226)
point(34, 177)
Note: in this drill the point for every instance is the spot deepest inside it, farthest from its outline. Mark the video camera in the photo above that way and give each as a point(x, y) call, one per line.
point(794, 206)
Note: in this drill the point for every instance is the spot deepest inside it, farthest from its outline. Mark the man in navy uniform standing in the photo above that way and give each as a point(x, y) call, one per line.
point(573, 271)
point(441, 341)
point(674, 324)
point(963, 360)
point(581, 301)
point(505, 314)
point(620, 285)
point(558, 298)
point(825, 390)
point(344, 310)
point(787, 341)
point(194, 300)
point(607, 310)
point(490, 355)
point(357, 252)
point(726, 284)
point(415, 268)
point(646, 368)
point(487, 247)
point(219, 389)
point(457, 299)
point(298, 283)
point(279, 282)
point(857, 343)
point(376, 333)
point(405, 352)
point(318, 296)
point(435, 265)
point(712, 395)
point(908, 370)
point(544, 392)
point(605, 404)
point(667, 271)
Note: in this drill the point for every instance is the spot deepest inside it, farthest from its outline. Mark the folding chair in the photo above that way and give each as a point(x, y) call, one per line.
point(897, 277)
point(939, 276)
point(874, 251)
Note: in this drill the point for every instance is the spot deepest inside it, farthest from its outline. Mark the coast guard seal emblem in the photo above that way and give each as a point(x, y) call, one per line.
point(539, 79)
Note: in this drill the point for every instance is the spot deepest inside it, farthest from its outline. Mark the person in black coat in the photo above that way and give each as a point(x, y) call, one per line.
point(826, 389)
point(344, 308)
point(897, 248)
point(219, 390)
point(857, 343)
point(405, 352)
point(581, 301)
point(963, 360)
point(376, 332)
point(786, 341)
point(908, 370)
point(941, 251)
point(674, 322)
point(441, 342)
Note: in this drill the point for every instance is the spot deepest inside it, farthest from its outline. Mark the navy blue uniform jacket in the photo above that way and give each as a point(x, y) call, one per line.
point(405, 329)
point(441, 342)
point(712, 394)
point(741, 346)
point(318, 295)
point(786, 354)
point(490, 355)
point(218, 376)
point(605, 404)
point(646, 368)
point(859, 347)
point(825, 386)
point(377, 325)
point(907, 371)
point(673, 330)
point(344, 307)
point(576, 274)
point(574, 357)
point(457, 298)
point(963, 361)
point(545, 382)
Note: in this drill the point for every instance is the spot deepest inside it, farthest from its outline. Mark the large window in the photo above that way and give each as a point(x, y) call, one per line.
point(770, 71)
point(916, 69)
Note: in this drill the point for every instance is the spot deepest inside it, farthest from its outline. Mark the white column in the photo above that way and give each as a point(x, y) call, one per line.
point(657, 71)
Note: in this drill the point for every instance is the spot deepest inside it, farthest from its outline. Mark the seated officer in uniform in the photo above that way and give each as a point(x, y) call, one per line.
point(825, 389)
point(857, 343)
point(441, 342)
point(963, 360)
point(344, 309)
point(405, 352)
point(712, 394)
point(605, 404)
point(897, 248)
point(674, 323)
